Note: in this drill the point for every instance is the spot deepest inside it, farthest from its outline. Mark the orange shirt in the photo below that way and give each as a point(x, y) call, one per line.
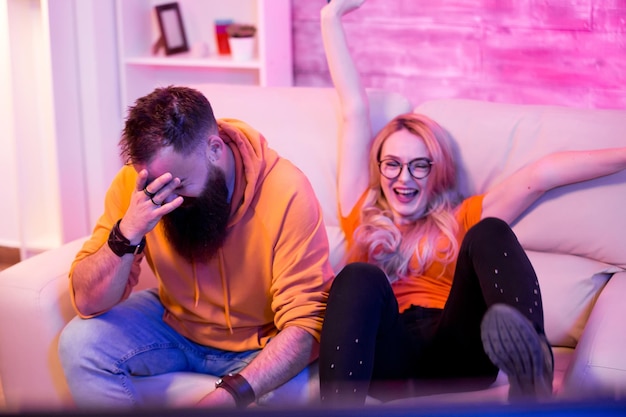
point(432, 288)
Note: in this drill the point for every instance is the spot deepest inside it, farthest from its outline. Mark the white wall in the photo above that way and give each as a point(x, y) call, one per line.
point(63, 118)
point(102, 115)
point(9, 231)
point(32, 125)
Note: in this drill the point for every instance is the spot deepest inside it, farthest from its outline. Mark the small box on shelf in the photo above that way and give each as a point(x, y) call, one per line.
point(221, 36)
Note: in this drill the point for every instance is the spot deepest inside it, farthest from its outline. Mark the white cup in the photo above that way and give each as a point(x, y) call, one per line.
point(241, 49)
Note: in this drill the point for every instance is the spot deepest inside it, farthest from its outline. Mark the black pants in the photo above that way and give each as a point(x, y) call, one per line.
point(369, 347)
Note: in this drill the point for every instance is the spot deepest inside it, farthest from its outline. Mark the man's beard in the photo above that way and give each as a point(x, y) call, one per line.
point(197, 229)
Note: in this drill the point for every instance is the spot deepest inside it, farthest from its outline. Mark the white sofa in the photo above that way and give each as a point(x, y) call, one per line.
point(575, 237)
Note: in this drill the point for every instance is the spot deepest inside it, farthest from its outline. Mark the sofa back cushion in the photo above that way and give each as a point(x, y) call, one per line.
point(494, 140)
point(574, 235)
point(302, 125)
point(582, 224)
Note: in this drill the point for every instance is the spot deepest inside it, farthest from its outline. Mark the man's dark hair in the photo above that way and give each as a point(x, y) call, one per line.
point(181, 117)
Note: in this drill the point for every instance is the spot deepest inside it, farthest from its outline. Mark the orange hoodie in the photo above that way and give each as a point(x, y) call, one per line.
point(272, 271)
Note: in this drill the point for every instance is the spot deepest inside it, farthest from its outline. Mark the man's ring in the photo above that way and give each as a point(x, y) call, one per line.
point(148, 193)
point(155, 203)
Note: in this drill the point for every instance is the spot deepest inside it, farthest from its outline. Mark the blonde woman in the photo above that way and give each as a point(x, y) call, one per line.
point(438, 294)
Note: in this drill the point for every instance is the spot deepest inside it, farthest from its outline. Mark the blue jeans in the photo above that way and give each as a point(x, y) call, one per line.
point(99, 355)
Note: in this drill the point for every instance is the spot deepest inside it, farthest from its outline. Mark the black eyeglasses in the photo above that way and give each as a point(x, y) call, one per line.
point(418, 168)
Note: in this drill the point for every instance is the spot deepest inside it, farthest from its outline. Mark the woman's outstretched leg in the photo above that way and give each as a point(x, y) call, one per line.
point(498, 281)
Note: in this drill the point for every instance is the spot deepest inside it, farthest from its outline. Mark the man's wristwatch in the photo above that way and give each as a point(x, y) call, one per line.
point(238, 387)
point(120, 245)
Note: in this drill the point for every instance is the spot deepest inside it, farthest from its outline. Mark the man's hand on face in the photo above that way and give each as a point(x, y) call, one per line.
point(150, 201)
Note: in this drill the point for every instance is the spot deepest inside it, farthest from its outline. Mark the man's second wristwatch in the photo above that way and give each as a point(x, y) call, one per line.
point(120, 245)
point(238, 387)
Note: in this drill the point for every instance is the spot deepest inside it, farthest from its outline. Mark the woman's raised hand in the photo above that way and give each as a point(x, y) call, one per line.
point(342, 7)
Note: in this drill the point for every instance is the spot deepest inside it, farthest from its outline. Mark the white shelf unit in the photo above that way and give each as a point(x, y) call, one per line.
point(141, 71)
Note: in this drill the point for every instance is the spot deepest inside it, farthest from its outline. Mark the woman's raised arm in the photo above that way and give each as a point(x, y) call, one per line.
point(355, 132)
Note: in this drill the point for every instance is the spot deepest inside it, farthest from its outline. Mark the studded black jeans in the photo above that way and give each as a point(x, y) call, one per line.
point(369, 347)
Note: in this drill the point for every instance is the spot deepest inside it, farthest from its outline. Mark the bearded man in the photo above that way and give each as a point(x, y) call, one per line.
point(239, 252)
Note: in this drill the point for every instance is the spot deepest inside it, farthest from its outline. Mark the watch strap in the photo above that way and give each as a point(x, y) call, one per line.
point(238, 387)
point(120, 245)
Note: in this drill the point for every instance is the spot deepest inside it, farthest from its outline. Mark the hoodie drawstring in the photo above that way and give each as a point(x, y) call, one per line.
point(196, 286)
point(225, 291)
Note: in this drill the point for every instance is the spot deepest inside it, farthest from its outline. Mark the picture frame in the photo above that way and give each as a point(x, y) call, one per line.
point(173, 37)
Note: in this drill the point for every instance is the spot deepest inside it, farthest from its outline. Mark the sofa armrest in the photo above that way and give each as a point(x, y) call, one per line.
point(34, 307)
point(598, 368)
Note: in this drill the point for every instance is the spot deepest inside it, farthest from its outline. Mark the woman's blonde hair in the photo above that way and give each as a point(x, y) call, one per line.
point(380, 239)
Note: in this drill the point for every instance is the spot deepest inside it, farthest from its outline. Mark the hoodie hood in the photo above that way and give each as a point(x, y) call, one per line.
point(253, 161)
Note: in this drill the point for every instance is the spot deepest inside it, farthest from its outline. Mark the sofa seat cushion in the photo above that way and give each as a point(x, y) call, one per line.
point(185, 389)
point(581, 279)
